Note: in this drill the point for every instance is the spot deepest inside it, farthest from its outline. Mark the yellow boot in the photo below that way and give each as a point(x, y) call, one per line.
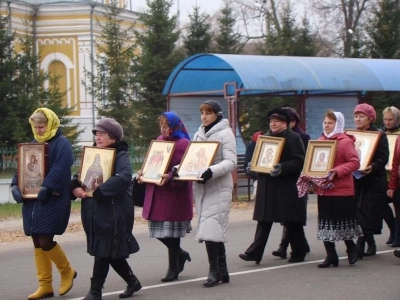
point(44, 274)
point(68, 274)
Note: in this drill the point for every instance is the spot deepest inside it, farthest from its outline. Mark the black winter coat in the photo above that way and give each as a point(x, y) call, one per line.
point(370, 190)
point(108, 217)
point(277, 197)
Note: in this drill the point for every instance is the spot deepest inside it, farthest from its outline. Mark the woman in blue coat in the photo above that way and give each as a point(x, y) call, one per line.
point(48, 214)
point(108, 216)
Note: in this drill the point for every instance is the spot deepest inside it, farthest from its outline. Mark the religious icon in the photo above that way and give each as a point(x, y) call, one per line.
point(32, 164)
point(157, 160)
point(198, 157)
point(266, 154)
point(97, 166)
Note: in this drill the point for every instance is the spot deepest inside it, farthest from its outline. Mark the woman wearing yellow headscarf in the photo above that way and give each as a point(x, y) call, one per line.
point(48, 215)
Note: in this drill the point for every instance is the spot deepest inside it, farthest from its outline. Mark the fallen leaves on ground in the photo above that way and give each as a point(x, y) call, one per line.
point(18, 235)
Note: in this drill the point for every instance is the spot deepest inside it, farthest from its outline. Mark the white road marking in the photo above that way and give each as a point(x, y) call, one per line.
point(230, 274)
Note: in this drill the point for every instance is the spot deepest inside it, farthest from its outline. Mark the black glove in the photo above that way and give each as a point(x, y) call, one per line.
point(207, 175)
point(16, 193)
point(44, 194)
point(276, 171)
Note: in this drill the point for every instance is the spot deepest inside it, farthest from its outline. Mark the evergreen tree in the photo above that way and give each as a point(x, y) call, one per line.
point(384, 30)
point(152, 66)
point(291, 39)
point(305, 40)
point(199, 34)
point(7, 70)
point(112, 88)
point(28, 93)
point(228, 41)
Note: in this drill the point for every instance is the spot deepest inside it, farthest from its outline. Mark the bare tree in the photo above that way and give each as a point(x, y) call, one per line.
point(338, 20)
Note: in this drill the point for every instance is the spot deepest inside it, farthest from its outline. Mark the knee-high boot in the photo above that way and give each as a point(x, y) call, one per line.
point(213, 259)
point(223, 268)
point(331, 258)
point(68, 274)
point(371, 250)
point(388, 216)
point(282, 250)
point(360, 247)
point(352, 256)
point(44, 275)
point(183, 258)
point(123, 269)
point(173, 265)
point(396, 240)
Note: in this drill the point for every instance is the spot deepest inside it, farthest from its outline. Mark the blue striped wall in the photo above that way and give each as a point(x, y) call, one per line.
point(188, 109)
point(316, 108)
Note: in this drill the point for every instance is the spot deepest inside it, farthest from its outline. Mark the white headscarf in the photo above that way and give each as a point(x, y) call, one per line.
point(339, 126)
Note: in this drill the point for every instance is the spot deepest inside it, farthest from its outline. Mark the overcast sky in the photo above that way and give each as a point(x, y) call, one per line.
point(186, 6)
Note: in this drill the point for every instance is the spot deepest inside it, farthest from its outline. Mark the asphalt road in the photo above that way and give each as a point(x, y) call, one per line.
point(274, 279)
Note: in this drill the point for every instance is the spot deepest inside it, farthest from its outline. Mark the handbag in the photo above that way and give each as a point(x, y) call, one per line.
point(138, 192)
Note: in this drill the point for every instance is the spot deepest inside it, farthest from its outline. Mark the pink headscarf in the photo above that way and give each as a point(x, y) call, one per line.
point(367, 110)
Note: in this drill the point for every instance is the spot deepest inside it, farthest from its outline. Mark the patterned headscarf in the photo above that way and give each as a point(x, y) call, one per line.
point(175, 124)
point(339, 126)
point(53, 122)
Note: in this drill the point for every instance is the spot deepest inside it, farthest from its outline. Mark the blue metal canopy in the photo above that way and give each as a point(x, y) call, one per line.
point(206, 74)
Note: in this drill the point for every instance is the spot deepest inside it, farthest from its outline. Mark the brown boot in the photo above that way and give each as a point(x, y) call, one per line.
point(44, 274)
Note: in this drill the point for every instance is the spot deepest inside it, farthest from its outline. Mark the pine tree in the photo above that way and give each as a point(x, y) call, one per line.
point(6, 80)
point(152, 66)
point(384, 30)
point(228, 41)
point(27, 93)
point(305, 40)
point(112, 87)
point(199, 34)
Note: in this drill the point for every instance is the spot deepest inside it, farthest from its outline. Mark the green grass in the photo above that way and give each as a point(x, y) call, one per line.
point(11, 210)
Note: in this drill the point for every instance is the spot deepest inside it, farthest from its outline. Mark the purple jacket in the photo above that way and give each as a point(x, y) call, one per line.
point(174, 201)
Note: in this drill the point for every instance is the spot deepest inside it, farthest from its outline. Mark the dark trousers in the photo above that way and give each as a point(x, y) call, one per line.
point(256, 249)
point(295, 234)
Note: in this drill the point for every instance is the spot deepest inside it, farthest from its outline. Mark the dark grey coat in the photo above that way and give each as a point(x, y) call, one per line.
point(108, 217)
point(371, 189)
point(277, 197)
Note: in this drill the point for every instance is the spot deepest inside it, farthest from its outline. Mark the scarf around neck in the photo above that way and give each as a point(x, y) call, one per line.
point(53, 122)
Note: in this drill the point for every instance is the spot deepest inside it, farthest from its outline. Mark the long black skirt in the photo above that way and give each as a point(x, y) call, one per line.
point(337, 218)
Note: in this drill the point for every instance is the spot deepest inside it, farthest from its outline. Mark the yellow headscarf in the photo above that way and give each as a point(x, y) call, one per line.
point(53, 122)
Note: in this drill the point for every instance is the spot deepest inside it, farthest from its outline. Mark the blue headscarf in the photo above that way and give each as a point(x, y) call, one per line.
point(175, 124)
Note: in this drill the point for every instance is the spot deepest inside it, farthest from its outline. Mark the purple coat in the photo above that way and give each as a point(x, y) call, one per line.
point(174, 201)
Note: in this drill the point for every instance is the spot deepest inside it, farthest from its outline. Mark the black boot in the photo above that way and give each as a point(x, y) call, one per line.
point(352, 256)
point(396, 253)
point(173, 265)
point(223, 268)
point(360, 247)
point(95, 289)
point(214, 273)
point(123, 269)
point(306, 245)
point(396, 240)
point(282, 250)
point(388, 216)
point(331, 258)
point(183, 257)
point(371, 250)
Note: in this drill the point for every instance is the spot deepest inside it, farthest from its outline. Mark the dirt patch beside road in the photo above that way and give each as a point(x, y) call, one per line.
point(11, 229)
